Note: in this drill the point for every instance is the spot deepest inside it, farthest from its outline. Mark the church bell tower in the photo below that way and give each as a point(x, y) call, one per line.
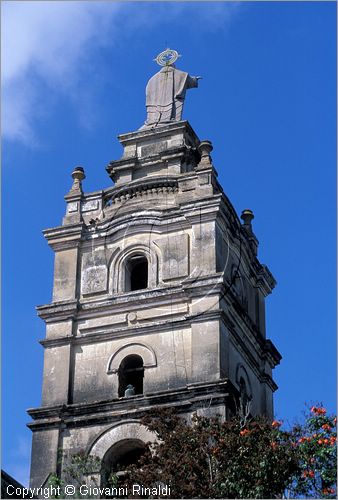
point(158, 297)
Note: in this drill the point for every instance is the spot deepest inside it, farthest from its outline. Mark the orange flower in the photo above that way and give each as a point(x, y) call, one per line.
point(326, 441)
point(244, 432)
point(318, 411)
point(273, 445)
point(309, 473)
point(276, 423)
point(328, 491)
point(326, 427)
point(320, 441)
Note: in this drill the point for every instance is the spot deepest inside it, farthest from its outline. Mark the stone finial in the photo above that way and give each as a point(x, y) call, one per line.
point(205, 148)
point(247, 216)
point(78, 176)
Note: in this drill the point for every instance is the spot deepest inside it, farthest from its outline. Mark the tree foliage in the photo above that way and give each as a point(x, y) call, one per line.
point(316, 444)
point(79, 469)
point(211, 458)
point(239, 458)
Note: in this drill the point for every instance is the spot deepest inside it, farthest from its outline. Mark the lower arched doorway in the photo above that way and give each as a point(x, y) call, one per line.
point(117, 459)
point(119, 446)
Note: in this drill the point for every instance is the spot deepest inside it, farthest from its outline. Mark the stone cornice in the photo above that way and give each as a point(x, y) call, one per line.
point(149, 218)
point(264, 347)
point(272, 351)
point(134, 162)
point(60, 310)
point(104, 334)
point(189, 288)
point(242, 346)
point(199, 211)
point(62, 237)
point(267, 379)
point(162, 131)
point(265, 280)
point(206, 204)
point(259, 274)
point(91, 413)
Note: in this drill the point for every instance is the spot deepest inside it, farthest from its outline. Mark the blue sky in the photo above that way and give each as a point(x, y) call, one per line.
point(73, 77)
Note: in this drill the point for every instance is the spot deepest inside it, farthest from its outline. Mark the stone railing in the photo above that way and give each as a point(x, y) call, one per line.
point(146, 187)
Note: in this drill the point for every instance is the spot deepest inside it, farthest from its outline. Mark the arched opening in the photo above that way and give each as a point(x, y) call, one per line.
point(238, 287)
point(131, 372)
point(136, 273)
point(244, 399)
point(117, 459)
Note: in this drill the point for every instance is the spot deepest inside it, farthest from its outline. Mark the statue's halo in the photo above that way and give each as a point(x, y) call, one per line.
point(167, 57)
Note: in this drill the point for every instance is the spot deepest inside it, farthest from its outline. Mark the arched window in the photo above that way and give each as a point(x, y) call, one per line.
point(131, 372)
point(136, 273)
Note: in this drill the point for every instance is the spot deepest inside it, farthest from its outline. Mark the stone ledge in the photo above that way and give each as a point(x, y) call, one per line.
point(190, 287)
point(128, 331)
point(162, 130)
point(182, 398)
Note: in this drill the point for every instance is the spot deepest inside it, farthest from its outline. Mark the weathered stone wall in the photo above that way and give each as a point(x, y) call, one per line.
point(44, 455)
point(170, 366)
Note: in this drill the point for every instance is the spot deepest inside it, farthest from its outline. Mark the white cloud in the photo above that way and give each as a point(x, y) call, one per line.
point(49, 44)
point(18, 101)
point(45, 43)
point(50, 37)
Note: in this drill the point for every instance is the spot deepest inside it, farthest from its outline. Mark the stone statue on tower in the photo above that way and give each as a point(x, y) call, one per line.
point(165, 91)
